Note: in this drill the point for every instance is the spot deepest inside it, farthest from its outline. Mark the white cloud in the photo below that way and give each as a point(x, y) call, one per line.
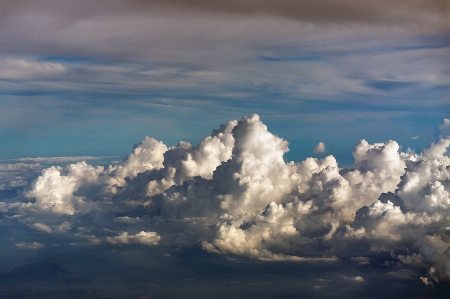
point(443, 130)
point(146, 238)
point(320, 148)
point(18, 175)
point(54, 189)
point(26, 69)
point(42, 227)
point(147, 155)
point(358, 279)
point(186, 161)
point(126, 219)
point(64, 227)
point(33, 245)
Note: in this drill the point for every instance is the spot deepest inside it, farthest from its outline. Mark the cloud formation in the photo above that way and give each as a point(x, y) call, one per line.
point(320, 148)
point(234, 193)
point(34, 245)
point(327, 11)
point(14, 69)
point(18, 174)
point(443, 130)
point(147, 238)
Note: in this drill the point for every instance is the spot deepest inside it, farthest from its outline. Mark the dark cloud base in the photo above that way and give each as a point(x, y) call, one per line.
point(136, 272)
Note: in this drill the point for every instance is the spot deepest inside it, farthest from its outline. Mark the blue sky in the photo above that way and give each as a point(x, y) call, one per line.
point(91, 206)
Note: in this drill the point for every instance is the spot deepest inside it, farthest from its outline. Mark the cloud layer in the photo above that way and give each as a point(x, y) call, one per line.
point(328, 11)
point(234, 193)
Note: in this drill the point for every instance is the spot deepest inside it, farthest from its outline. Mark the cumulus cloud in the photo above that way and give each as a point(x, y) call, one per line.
point(320, 148)
point(42, 227)
point(33, 245)
point(146, 238)
point(147, 155)
point(54, 189)
point(233, 193)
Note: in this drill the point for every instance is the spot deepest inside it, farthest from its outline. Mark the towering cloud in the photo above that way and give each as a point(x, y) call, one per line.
point(233, 193)
point(54, 189)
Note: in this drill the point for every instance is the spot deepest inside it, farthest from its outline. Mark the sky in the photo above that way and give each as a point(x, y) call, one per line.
point(202, 148)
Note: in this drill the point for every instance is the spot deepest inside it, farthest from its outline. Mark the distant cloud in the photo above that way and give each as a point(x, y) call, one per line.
point(146, 238)
point(18, 175)
point(360, 260)
point(320, 148)
point(443, 129)
point(126, 219)
point(415, 137)
point(15, 69)
point(358, 279)
point(68, 159)
point(33, 245)
point(42, 227)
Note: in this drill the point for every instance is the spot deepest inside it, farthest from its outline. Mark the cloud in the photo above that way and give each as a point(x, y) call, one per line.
point(347, 48)
point(320, 148)
point(443, 130)
point(34, 245)
point(146, 238)
point(358, 279)
point(355, 279)
point(47, 160)
point(126, 219)
point(16, 69)
point(54, 189)
point(234, 194)
point(68, 30)
point(360, 260)
point(18, 175)
point(147, 155)
point(42, 227)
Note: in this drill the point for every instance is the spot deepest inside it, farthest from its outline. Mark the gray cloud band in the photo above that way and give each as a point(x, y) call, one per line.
point(327, 11)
